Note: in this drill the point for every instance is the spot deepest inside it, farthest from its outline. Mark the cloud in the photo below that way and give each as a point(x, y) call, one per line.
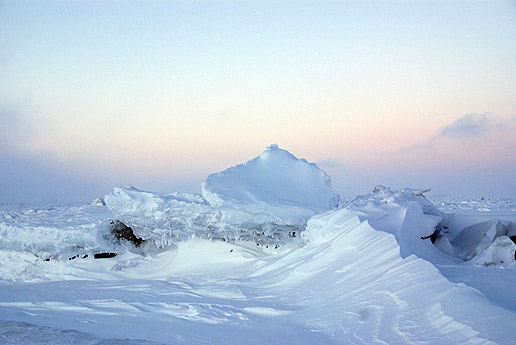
point(40, 177)
point(468, 126)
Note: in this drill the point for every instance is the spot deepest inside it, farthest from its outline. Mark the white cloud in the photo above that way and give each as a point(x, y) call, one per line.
point(470, 125)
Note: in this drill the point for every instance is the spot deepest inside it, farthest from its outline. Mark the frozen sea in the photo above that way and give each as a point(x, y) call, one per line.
point(390, 267)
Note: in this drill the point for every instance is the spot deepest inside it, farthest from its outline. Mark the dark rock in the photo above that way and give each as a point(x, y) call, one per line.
point(433, 236)
point(122, 231)
point(78, 256)
point(104, 255)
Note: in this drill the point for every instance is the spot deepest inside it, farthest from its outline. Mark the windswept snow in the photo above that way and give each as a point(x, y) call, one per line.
point(263, 256)
point(348, 284)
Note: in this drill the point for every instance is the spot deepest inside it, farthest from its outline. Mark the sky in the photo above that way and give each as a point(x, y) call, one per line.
point(161, 94)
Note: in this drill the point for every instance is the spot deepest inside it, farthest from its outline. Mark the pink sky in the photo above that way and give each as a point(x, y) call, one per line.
point(161, 95)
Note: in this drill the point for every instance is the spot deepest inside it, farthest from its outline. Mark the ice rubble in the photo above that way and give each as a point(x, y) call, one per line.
point(266, 199)
point(499, 252)
point(272, 196)
point(50, 232)
point(422, 229)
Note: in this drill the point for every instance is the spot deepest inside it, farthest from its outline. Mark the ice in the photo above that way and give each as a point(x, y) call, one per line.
point(406, 214)
point(499, 207)
point(276, 184)
point(97, 202)
point(475, 238)
point(31, 235)
point(263, 256)
point(498, 253)
point(263, 200)
point(165, 220)
point(420, 227)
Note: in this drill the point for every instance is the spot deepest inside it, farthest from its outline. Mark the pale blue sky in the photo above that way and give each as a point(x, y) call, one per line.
point(160, 94)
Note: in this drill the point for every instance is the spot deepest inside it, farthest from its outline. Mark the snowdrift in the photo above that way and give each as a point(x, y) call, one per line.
point(347, 284)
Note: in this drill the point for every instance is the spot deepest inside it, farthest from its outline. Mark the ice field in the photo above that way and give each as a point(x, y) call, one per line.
point(267, 254)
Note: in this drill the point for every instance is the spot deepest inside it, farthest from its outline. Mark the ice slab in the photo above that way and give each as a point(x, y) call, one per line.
point(276, 185)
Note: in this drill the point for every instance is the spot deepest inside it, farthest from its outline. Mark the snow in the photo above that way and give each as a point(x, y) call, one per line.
point(225, 267)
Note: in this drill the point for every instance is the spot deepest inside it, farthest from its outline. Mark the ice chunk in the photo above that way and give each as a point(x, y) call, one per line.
point(263, 200)
point(167, 219)
point(160, 217)
point(444, 245)
point(475, 238)
point(406, 214)
point(98, 202)
point(275, 184)
point(499, 252)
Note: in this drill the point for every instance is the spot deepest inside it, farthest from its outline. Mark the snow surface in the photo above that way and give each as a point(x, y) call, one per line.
point(386, 268)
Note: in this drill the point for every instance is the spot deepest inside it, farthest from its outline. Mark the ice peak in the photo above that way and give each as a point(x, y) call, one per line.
point(271, 183)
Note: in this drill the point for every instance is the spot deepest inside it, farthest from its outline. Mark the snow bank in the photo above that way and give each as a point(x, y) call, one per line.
point(347, 285)
point(276, 185)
